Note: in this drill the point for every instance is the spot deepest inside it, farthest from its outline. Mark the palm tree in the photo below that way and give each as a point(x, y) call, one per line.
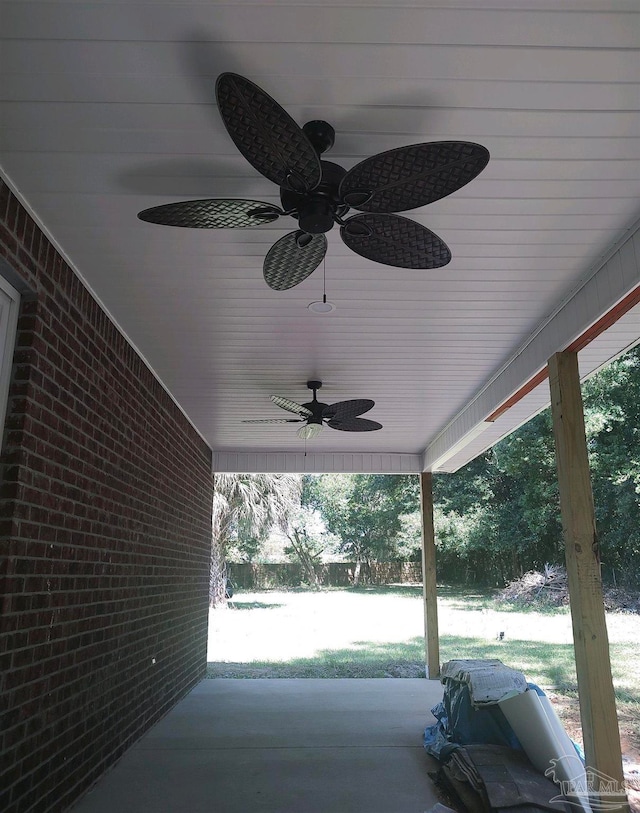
point(247, 506)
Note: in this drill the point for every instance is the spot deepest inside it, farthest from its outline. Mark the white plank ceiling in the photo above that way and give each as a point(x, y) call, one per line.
point(109, 108)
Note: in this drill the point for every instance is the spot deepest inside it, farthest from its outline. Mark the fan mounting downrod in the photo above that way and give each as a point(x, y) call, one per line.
point(316, 407)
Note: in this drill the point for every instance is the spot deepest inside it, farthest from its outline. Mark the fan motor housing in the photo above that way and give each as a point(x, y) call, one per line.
point(317, 409)
point(316, 210)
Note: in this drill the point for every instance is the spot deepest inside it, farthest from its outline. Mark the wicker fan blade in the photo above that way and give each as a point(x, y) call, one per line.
point(275, 420)
point(408, 177)
point(266, 135)
point(288, 263)
point(291, 406)
point(216, 213)
point(348, 409)
point(354, 425)
point(394, 240)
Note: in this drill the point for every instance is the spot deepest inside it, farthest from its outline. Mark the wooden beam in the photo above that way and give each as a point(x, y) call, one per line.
point(429, 593)
point(591, 643)
point(610, 318)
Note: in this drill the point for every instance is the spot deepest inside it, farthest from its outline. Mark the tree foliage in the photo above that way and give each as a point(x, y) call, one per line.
point(507, 520)
point(305, 547)
point(245, 508)
point(612, 407)
point(500, 516)
point(364, 511)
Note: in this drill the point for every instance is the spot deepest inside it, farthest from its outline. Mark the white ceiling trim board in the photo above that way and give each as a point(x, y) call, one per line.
point(315, 463)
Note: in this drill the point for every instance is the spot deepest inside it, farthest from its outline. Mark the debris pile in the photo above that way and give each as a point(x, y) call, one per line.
point(550, 588)
point(618, 600)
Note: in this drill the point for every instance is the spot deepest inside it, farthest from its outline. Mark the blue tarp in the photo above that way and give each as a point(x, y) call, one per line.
point(460, 722)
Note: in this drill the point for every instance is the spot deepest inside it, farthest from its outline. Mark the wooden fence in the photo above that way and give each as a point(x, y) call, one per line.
point(250, 576)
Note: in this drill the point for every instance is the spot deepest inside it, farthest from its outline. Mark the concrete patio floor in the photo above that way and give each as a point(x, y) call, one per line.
point(261, 746)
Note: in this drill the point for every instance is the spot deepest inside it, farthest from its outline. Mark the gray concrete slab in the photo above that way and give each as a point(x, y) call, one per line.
point(274, 746)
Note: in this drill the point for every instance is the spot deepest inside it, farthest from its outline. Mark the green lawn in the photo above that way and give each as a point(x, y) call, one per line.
point(378, 632)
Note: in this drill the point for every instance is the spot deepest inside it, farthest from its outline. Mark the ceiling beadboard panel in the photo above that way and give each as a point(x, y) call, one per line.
point(108, 108)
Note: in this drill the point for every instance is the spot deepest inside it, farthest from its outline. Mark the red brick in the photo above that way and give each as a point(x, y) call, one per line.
point(105, 503)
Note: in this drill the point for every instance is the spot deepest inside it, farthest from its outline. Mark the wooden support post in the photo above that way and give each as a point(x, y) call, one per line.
point(429, 594)
point(591, 643)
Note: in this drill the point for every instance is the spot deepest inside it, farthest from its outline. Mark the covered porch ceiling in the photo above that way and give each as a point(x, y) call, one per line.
point(109, 108)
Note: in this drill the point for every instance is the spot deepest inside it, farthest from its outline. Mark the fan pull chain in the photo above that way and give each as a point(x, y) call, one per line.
point(324, 280)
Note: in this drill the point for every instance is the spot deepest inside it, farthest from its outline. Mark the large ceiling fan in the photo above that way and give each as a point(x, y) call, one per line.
point(314, 415)
point(319, 194)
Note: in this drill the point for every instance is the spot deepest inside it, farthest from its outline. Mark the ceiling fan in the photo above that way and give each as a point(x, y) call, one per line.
point(314, 414)
point(319, 194)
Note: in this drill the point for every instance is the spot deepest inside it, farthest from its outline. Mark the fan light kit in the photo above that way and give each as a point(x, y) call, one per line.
point(310, 431)
point(319, 194)
point(315, 415)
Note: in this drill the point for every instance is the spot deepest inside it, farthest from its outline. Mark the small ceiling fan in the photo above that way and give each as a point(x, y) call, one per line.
point(314, 414)
point(319, 194)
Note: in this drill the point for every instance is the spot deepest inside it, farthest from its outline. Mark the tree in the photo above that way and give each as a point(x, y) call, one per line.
point(307, 550)
point(612, 413)
point(245, 508)
point(499, 515)
point(363, 510)
point(525, 488)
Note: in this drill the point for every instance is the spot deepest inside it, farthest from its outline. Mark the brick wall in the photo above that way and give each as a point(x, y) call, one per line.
point(105, 516)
